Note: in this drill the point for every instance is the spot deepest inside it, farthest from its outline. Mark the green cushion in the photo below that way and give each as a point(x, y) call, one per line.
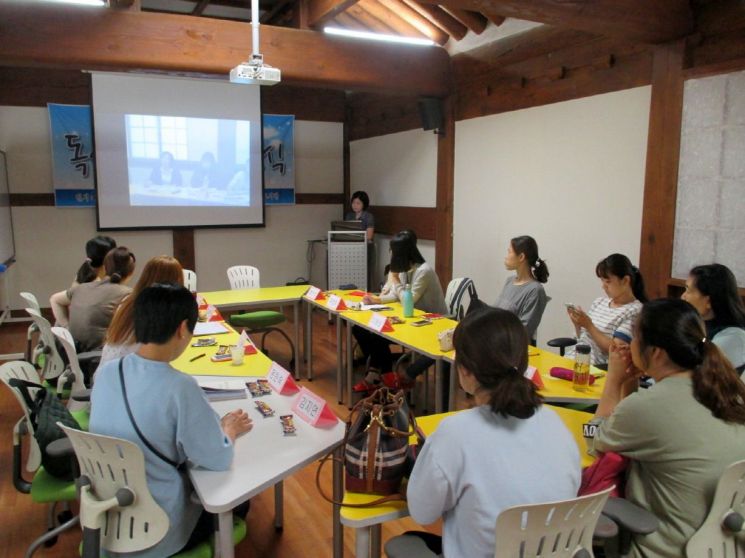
point(257, 320)
point(83, 416)
point(45, 488)
point(52, 388)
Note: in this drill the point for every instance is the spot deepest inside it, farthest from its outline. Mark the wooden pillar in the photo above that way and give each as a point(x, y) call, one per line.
point(445, 194)
point(183, 248)
point(661, 179)
point(346, 161)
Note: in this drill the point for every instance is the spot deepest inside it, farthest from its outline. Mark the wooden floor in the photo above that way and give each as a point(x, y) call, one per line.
point(308, 529)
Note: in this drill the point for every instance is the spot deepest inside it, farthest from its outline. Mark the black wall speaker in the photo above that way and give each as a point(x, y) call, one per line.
point(430, 112)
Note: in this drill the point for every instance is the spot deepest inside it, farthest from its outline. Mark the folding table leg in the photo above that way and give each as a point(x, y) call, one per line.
point(338, 492)
point(375, 536)
point(362, 542)
point(339, 361)
point(309, 340)
point(224, 536)
point(279, 506)
point(350, 359)
point(296, 314)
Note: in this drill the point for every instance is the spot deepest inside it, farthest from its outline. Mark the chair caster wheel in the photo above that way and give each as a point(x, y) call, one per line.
point(278, 529)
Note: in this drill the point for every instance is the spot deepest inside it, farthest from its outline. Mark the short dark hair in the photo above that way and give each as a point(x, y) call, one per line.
point(404, 252)
point(492, 344)
point(160, 309)
point(718, 283)
point(362, 196)
point(620, 266)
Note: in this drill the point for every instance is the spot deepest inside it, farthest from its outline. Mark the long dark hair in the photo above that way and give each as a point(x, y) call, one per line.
point(620, 266)
point(363, 197)
point(119, 264)
point(676, 327)
point(95, 250)
point(404, 252)
point(528, 246)
point(492, 344)
point(718, 283)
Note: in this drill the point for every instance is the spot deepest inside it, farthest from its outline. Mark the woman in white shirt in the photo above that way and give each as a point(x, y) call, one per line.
point(508, 450)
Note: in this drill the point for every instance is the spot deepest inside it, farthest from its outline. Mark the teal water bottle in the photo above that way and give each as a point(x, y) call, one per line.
point(408, 302)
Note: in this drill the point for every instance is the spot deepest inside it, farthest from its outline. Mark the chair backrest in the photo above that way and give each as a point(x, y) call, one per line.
point(65, 338)
point(31, 301)
point(24, 371)
point(111, 464)
point(457, 288)
point(556, 529)
point(190, 280)
point(243, 277)
point(53, 363)
point(717, 537)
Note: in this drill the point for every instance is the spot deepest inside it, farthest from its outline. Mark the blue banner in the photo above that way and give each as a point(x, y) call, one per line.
point(72, 155)
point(279, 159)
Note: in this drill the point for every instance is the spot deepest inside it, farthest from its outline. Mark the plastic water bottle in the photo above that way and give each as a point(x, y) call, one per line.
point(408, 302)
point(581, 378)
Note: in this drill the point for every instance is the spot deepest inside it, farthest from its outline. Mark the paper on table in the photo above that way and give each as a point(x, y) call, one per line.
point(222, 384)
point(209, 328)
point(374, 307)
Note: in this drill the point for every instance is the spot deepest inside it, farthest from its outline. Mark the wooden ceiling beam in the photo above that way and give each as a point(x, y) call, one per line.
point(321, 11)
point(74, 37)
point(647, 21)
point(474, 21)
point(439, 17)
point(269, 15)
point(497, 20)
point(373, 23)
point(399, 25)
point(414, 19)
point(346, 21)
point(200, 7)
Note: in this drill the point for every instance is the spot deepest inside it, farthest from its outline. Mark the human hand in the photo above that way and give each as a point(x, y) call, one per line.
point(236, 423)
point(621, 369)
point(370, 299)
point(579, 317)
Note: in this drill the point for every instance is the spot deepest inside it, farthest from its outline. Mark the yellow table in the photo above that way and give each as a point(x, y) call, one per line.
point(367, 521)
point(262, 298)
point(421, 340)
point(323, 305)
point(253, 365)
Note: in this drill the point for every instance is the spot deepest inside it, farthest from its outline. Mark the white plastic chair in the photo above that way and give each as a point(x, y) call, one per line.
point(190, 280)
point(554, 529)
point(457, 288)
point(73, 369)
point(243, 277)
point(721, 535)
point(24, 371)
point(32, 353)
point(53, 363)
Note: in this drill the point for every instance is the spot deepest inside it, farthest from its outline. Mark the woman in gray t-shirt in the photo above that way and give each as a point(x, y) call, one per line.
point(523, 294)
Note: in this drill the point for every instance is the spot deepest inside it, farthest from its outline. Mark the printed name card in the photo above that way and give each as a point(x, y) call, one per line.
point(336, 303)
point(532, 374)
point(380, 323)
point(313, 409)
point(589, 430)
point(213, 314)
point(314, 293)
point(281, 380)
point(248, 346)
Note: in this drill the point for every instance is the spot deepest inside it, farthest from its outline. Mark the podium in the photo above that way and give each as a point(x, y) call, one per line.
point(347, 259)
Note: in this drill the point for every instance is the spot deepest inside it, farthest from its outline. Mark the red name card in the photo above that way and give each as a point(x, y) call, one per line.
point(357, 293)
point(313, 409)
point(281, 380)
point(336, 303)
point(248, 346)
point(380, 323)
point(213, 314)
point(532, 374)
point(314, 293)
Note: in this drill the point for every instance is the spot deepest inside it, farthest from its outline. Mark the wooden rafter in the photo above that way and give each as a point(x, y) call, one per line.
point(321, 11)
point(391, 19)
point(200, 7)
point(439, 17)
point(269, 15)
point(346, 21)
point(414, 19)
point(56, 36)
point(474, 21)
point(373, 23)
point(650, 21)
point(495, 19)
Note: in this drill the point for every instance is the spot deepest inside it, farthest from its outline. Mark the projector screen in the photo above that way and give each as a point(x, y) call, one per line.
point(176, 152)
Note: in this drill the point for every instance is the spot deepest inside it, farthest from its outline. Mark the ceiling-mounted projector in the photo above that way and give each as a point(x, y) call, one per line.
point(255, 72)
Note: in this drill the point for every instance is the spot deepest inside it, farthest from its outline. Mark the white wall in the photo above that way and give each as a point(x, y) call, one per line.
point(50, 241)
point(569, 174)
point(396, 169)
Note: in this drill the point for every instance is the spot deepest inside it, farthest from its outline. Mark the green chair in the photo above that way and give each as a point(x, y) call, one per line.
point(262, 321)
point(43, 487)
point(114, 491)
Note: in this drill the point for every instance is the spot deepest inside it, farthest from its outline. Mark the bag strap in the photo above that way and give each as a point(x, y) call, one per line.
point(23, 386)
point(134, 423)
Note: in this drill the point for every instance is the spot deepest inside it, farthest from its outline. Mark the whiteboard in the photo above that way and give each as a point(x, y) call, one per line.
point(7, 245)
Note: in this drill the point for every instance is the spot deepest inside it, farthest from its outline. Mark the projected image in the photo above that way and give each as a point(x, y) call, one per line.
point(184, 161)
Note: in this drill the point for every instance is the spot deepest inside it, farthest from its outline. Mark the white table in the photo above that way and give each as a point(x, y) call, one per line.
point(263, 458)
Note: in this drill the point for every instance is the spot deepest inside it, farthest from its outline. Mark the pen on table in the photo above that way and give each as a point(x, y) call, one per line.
point(192, 359)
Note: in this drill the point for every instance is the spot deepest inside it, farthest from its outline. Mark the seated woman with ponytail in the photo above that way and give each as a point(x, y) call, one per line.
point(624, 290)
point(507, 450)
point(92, 268)
point(86, 310)
point(523, 294)
point(681, 433)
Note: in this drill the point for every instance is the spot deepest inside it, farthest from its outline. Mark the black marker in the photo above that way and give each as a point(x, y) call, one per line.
point(197, 357)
